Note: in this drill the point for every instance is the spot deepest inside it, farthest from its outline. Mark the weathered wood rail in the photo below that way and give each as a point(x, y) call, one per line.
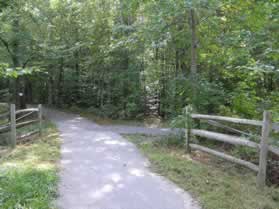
point(16, 122)
point(263, 147)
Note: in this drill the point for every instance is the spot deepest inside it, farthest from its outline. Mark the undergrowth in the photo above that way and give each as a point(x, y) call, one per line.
point(28, 174)
point(215, 183)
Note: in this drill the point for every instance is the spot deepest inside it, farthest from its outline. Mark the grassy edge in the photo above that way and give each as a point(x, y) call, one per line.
point(216, 184)
point(29, 173)
point(152, 122)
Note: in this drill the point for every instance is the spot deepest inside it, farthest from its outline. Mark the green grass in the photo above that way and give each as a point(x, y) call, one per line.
point(216, 184)
point(153, 122)
point(28, 174)
point(3, 109)
point(146, 122)
point(109, 121)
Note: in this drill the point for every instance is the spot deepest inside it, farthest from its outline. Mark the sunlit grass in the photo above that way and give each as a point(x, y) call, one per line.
point(28, 174)
point(216, 184)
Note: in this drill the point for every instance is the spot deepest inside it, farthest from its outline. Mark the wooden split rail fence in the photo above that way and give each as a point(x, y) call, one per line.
point(18, 119)
point(263, 147)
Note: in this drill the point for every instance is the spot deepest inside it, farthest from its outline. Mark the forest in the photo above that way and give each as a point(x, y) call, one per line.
point(80, 80)
point(132, 58)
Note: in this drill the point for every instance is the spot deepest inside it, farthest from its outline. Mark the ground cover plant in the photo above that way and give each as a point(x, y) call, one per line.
point(28, 177)
point(215, 183)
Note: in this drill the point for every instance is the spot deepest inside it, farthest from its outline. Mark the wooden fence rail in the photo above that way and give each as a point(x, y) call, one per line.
point(15, 123)
point(263, 147)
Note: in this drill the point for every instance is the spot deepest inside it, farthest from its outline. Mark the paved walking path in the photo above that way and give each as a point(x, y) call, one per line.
point(102, 170)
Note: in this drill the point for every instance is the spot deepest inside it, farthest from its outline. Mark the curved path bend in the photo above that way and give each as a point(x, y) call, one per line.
point(102, 170)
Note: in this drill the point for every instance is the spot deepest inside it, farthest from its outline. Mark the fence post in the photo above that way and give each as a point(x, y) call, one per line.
point(13, 125)
point(188, 126)
point(266, 129)
point(40, 114)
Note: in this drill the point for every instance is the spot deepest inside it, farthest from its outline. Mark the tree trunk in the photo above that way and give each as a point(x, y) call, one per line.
point(194, 56)
point(77, 69)
point(50, 90)
point(193, 44)
point(60, 85)
point(28, 90)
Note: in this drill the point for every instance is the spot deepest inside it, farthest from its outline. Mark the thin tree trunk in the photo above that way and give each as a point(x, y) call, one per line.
point(16, 61)
point(60, 84)
point(194, 56)
point(50, 90)
point(193, 44)
point(28, 90)
point(177, 65)
point(77, 69)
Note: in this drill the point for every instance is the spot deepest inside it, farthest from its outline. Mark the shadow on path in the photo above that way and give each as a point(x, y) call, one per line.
point(102, 170)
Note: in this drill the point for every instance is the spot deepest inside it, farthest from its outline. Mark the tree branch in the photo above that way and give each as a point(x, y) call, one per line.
point(6, 44)
point(27, 60)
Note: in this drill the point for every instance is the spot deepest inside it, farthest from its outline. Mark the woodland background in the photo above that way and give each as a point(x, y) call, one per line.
point(130, 58)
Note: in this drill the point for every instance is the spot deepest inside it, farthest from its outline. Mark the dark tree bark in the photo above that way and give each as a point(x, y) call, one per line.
point(28, 90)
point(194, 56)
point(50, 90)
point(60, 84)
point(77, 71)
point(19, 93)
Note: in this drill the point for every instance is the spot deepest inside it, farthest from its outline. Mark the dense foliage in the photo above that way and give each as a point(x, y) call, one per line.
point(127, 58)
